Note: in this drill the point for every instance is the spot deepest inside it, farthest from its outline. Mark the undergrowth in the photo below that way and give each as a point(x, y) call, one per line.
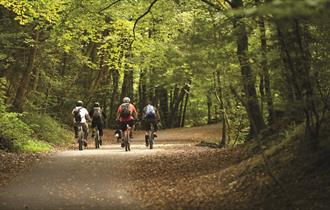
point(29, 132)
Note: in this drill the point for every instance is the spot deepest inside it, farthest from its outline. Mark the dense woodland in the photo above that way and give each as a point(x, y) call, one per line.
point(247, 63)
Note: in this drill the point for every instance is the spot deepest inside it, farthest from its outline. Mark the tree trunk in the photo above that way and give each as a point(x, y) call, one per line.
point(114, 101)
point(297, 59)
point(127, 86)
point(163, 103)
point(143, 98)
point(209, 107)
point(252, 108)
point(22, 90)
point(266, 90)
point(187, 92)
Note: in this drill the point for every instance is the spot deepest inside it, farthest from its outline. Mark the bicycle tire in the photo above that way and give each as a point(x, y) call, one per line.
point(97, 139)
point(151, 137)
point(80, 139)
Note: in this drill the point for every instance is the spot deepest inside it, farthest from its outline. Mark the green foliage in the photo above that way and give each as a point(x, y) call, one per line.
point(47, 129)
point(12, 127)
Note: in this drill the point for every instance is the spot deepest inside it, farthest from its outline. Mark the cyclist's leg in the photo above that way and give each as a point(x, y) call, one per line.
point(147, 128)
point(131, 125)
point(93, 126)
point(75, 127)
point(85, 129)
point(123, 128)
point(154, 122)
point(100, 128)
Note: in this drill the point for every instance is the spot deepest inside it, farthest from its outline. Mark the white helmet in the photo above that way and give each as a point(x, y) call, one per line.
point(126, 100)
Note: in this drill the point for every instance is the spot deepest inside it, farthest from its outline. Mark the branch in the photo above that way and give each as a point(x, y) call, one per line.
point(110, 5)
point(144, 14)
point(229, 2)
point(215, 6)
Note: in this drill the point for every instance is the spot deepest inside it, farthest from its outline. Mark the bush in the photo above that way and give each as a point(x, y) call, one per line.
point(47, 129)
point(19, 134)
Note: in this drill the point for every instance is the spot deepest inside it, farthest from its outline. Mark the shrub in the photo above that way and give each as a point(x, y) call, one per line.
point(47, 129)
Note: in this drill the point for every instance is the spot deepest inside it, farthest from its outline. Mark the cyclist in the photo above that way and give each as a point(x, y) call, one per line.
point(150, 115)
point(81, 116)
point(126, 114)
point(98, 117)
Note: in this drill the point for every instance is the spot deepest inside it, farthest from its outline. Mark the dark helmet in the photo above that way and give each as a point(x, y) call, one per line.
point(79, 103)
point(96, 104)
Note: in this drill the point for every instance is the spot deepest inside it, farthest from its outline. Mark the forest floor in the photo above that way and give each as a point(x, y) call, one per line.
point(176, 174)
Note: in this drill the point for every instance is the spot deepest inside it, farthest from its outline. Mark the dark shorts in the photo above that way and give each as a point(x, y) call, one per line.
point(123, 125)
point(147, 124)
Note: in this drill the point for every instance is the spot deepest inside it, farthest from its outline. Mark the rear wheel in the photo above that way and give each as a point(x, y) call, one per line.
point(127, 141)
point(151, 140)
point(97, 139)
point(81, 140)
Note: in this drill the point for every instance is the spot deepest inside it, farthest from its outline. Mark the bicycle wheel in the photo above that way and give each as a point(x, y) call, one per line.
point(97, 139)
point(127, 141)
point(151, 137)
point(80, 139)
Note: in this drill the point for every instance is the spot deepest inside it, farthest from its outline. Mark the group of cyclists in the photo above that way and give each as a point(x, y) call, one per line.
point(127, 115)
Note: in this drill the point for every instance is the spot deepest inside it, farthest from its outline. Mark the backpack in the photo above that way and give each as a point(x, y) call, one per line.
point(125, 112)
point(97, 113)
point(150, 112)
point(77, 116)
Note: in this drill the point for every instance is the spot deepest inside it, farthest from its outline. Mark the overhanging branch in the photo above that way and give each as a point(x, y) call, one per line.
point(110, 5)
point(215, 6)
point(144, 14)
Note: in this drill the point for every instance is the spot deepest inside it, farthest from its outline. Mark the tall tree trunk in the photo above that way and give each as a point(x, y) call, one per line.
point(219, 96)
point(209, 107)
point(143, 97)
point(265, 72)
point(20, 97)
point(127, 86)
point(163, 106)
point(297, 59)
point(114, 102)
point(187, 92)
point(248, 79)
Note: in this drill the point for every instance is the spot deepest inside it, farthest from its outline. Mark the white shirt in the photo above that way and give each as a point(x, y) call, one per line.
point(83, 112)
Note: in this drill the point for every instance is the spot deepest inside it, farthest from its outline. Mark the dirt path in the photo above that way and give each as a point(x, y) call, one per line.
point(110, 178)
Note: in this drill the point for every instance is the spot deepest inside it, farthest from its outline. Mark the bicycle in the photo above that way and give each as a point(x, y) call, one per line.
point(80, 137)
point(97, 138)
point(127, 139)
point(151, 136)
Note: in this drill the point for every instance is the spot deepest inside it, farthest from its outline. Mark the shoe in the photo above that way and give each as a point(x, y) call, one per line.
point(122, 144)
point(85, 143)
point(155, 135)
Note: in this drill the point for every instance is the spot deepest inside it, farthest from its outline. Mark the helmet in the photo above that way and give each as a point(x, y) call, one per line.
point(96, 104)
point(79, 103)
point(126, 100)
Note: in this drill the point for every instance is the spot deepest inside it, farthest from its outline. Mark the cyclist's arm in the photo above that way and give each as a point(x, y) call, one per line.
point(91, 112)
point(118, 113)
point(135, 113)
point(104, 115)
